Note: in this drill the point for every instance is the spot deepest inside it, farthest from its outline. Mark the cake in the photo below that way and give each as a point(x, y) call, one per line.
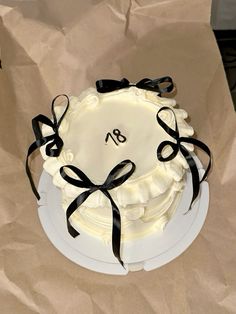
point(104, 136)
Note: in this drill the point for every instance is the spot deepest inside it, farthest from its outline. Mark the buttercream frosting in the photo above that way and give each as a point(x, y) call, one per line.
point(101, 130)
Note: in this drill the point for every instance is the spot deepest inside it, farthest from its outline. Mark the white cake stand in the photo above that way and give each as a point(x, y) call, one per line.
point(148, 253)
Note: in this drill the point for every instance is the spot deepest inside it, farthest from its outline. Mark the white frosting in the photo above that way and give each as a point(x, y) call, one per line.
point(148, 199)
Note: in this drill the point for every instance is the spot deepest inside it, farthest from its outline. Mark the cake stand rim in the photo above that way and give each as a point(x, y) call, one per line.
point(114, 268)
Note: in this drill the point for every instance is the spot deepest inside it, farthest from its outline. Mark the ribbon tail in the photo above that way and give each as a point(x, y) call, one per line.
point(204, 148)
point(31, 149)
point(194, 172)
point(116, 228)
point(35, 145)
point(70, 210)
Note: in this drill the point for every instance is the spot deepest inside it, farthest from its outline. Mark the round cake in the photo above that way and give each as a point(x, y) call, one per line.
point(100, 131)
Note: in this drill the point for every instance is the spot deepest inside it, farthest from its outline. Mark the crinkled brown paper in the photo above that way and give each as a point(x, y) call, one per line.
point(50, 47)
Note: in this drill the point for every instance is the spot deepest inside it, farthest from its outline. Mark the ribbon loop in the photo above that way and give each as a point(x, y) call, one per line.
point(105, 86)
point(157, 85)
point(169, 130)
point(84, 181)
point(160, 85)
point(172, 155)
point(112, 181)
point(53, 141)
point(176, 147)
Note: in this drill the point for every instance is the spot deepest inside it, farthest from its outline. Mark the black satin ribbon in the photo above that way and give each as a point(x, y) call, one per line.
point(105, 86)
point(176, 147)
point(55, 143)
point(113, 180)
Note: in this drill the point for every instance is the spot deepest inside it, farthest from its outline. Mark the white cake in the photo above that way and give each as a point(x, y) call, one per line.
point(101, 130)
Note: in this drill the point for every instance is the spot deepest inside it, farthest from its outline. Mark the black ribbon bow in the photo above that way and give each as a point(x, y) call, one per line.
point(53, 148)
point(176, 147)
point(105, 86)
point(110, 183)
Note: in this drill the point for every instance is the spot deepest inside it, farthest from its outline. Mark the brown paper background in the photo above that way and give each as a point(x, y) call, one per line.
point(52, 47)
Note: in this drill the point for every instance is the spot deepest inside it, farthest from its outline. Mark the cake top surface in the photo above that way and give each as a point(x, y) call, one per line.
point(106, 129)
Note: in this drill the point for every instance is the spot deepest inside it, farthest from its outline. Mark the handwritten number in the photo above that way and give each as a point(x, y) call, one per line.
point(107, 137)
point(120, 138)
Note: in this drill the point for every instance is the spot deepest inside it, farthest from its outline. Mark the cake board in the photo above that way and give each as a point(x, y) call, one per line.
point(148, 253)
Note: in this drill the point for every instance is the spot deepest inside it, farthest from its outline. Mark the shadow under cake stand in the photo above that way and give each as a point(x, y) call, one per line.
point(148, 253)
